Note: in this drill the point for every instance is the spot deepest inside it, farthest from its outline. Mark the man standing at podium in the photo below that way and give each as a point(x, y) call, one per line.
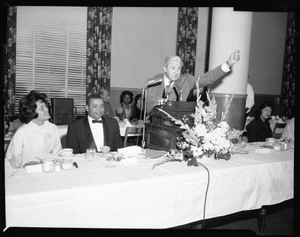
point(174, 86)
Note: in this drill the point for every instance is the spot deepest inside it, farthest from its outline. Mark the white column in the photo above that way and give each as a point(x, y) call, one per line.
point(231, 30)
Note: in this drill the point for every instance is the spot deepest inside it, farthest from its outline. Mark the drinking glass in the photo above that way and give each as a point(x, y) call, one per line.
point(242, 142)
point(90, 154)
point(16, 161)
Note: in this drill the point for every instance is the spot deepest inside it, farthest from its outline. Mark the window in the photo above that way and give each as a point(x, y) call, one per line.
point(51, 53)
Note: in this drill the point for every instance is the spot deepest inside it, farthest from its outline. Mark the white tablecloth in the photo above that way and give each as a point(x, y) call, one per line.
point(134, 196)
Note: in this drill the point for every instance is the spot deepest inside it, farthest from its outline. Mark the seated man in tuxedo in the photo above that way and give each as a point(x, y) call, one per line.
point(94, 130)
point(176, 86)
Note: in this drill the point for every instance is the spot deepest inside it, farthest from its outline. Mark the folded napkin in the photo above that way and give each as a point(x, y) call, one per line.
point(280, 121)
point(130, 151)
point(128, 124)
point(262, 150)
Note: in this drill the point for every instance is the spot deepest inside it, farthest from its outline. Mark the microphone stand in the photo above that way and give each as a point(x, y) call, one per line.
point(144, 93)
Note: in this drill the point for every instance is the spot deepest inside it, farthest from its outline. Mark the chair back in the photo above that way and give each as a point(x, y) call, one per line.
point(278, 130)
point(132, 132)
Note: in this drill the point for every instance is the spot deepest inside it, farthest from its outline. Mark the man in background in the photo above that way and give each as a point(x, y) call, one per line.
point(107, 107)
point(249, 99)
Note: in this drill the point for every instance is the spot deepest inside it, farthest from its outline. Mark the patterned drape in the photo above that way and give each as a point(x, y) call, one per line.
point(187, 37)
point(287, 102)
point(9, 63)
point(99, 23)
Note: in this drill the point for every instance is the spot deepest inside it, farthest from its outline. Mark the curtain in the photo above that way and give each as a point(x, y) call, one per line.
point(187, 37)
point(186, 45)
point(99, 24)
point(287, 102)
point(9, 63)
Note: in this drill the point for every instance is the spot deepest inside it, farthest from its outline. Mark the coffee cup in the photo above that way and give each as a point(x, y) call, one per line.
point(67, 152)
point(270, 140)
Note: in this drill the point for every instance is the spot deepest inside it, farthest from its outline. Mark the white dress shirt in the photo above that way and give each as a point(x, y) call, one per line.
point(97, 131)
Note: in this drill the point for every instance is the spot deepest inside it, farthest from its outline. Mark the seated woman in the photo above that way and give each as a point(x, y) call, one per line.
point(137, 107)
point(126, 111)
point(37, 136)
point(259, 128)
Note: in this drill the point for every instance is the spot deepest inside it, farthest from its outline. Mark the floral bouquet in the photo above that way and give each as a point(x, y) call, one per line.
point(204, 135)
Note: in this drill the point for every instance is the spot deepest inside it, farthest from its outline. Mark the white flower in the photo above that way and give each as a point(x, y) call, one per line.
point(200, 130)
point(197, 151)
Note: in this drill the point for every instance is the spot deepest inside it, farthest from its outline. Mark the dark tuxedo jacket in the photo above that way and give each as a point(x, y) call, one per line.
point(185, 83)
point(258, 131)
point(80, 137)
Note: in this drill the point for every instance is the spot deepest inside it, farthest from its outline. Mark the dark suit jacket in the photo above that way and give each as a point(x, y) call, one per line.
point(185, 82)
point(108, 110)
point(80, 137)
point(258, 131)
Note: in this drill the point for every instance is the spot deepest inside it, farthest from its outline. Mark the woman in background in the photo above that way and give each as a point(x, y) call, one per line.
point(126, 111)
point(37, 136)
point(259, 128)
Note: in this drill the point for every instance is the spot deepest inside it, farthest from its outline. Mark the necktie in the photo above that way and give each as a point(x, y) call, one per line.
point(97, 121)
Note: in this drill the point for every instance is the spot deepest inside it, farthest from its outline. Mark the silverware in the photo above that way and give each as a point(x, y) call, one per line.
point(13, 174)
point(38, 158)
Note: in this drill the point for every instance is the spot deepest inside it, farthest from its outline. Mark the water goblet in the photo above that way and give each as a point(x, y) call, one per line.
point(242, 142)
point(90, 154)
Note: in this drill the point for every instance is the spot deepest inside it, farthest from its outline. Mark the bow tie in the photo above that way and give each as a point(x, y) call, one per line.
point(97, 121)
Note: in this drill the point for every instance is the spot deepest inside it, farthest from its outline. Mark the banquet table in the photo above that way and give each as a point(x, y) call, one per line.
point(103, 194)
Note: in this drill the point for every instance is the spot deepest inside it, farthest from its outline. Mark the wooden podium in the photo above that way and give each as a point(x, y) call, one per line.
point(161, 132)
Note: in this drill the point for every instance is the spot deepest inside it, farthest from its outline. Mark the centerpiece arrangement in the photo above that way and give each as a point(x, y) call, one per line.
point(204, 134)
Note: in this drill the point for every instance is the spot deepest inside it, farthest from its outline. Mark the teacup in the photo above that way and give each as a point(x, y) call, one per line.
point(67, 152)
point(270, 140)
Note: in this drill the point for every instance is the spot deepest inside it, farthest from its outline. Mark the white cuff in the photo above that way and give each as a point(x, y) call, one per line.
point(225, 67)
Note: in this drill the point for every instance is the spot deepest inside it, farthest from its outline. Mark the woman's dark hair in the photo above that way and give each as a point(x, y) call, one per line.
point(261, 107)
point(136, 98)
point(27, 105)
point(126, 93)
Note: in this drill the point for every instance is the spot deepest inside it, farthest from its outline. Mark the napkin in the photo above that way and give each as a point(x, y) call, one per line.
point(130, 150)
point(127, 124)
point(262, 150)
point(280, 121)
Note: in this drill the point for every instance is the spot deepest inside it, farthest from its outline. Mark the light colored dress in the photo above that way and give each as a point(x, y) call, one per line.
point(32, 140)
point(289, 131)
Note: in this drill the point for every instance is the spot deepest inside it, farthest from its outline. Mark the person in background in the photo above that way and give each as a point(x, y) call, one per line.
point(175, 85)
point(259, 128)
point(37, 137)
point(94, 130)
point(288, 134)
point(107, 107)
point(249, 99)
point(138, 107)
point(126, 111)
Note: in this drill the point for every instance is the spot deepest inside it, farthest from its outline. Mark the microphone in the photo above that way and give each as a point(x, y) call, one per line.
point(153, 82)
